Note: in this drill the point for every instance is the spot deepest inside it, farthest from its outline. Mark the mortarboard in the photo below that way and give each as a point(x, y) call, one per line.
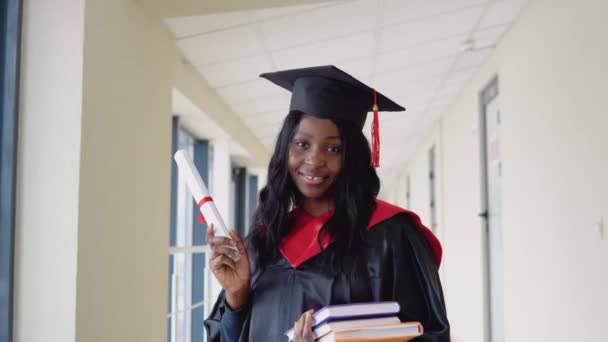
point(328, 92)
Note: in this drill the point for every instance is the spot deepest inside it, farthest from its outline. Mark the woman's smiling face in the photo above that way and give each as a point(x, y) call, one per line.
point(315, 156)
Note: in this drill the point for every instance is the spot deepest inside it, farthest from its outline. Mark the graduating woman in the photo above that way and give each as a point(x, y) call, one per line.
point(319, 236)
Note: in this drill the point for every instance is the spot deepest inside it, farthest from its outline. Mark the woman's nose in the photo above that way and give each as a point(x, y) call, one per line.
point(314, 158)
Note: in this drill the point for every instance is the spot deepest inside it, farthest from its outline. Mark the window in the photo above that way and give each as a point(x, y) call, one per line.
point(10, 35)
point(239, 192)
point(252, 195)
point(187, 252)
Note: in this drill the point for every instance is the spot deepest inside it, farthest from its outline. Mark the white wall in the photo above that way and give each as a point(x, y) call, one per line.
point(552, 80)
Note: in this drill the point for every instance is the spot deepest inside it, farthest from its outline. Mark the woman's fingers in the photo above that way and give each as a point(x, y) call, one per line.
point(308, 322)
point(220, 240)
point(226, 249)
point(220, 261)
point(210, 232)
point(307, 328)
point(238, 243)
point(297, 331)
point(217, 240)
point(222, 245)
point(302, 330)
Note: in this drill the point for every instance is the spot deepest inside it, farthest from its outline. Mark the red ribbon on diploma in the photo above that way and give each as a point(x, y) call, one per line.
point(200, 203)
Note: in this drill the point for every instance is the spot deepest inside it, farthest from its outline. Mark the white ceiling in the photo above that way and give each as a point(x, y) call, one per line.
point(410, 50)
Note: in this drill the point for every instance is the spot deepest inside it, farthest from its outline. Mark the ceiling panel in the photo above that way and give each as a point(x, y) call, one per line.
point(423, 53)
point(262, 104)
point(359, 68)
point(409, 94)
point(435, 67)
point(220, 46)
point(401, 11)
point(320, 25)
point(188, 26)
point(471, 59)
point(327, 52)
point(269, 13)
point(459, 78)
point(235, 71)
point(250, 91)
point(502, 12)
point(432, 29)
point(396, 118)
point(489, 37)
point(273, 117)
point(264, 128)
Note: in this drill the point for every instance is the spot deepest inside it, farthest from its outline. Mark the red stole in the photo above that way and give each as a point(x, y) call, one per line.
point(301, 244)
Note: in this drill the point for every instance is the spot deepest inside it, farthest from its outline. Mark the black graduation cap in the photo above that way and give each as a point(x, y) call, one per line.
point(328, 92)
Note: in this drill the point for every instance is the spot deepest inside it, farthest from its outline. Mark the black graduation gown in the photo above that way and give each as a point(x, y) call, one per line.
point(401, 267)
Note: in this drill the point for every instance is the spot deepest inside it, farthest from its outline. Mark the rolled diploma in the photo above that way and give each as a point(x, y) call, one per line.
point(199, 191)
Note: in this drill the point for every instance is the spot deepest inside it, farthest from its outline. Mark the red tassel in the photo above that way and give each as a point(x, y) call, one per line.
point(375, 134)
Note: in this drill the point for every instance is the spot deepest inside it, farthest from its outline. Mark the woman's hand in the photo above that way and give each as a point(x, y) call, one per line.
point(233, 276)
point(302, 329)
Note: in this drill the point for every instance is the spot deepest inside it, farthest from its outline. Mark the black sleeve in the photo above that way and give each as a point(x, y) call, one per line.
point(409, 275)
point(231, 325)
point(213, 322)
point(224, 324)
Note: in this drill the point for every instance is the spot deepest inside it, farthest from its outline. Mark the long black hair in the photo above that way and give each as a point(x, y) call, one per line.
point(354, 191)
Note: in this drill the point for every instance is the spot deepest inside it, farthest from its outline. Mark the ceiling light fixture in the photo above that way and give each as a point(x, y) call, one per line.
point(468, 45)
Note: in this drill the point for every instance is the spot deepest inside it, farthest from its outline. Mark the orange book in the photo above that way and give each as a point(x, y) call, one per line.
point(401, 332)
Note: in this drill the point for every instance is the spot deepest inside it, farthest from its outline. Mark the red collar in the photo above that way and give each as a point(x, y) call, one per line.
point(301, 244)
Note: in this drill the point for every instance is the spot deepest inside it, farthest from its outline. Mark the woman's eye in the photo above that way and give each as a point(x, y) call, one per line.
point(334, 149)
point(301, 144)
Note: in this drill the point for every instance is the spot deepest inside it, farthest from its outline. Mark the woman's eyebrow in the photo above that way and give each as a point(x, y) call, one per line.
point(303, 133)
point(308, 135)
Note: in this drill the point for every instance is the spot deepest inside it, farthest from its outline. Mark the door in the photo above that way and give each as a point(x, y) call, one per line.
point(491, 166)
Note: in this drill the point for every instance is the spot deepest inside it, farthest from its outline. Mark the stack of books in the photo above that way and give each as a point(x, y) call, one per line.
point(361, 322)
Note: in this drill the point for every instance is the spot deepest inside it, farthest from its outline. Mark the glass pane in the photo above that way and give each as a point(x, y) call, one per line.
point(198, 330)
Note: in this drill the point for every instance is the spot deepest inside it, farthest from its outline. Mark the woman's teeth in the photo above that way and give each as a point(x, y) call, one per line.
point(312, 178)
